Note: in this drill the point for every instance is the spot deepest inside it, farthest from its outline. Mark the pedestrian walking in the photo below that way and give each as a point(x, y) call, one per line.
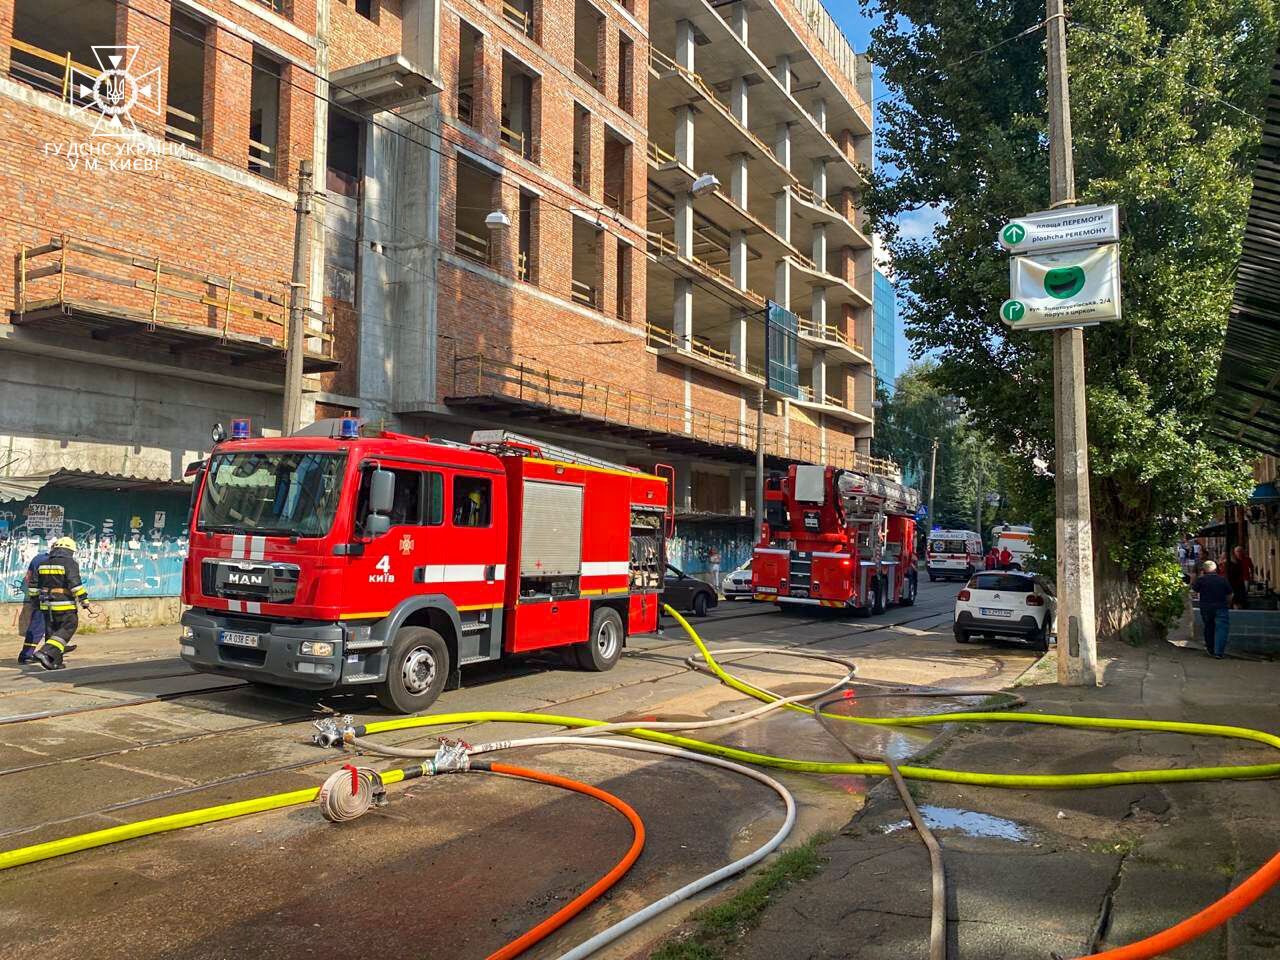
point(32, 615)
point(713, 561)
point(60, 592)
point(1214, 591)
point(1240, 572)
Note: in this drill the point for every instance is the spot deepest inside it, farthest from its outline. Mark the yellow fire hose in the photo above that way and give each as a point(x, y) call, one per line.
point(1069, 781)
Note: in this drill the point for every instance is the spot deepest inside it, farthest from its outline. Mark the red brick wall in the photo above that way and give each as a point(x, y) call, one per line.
point(355, 39)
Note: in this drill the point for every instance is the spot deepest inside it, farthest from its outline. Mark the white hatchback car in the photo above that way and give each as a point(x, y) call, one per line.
point(1006, 604)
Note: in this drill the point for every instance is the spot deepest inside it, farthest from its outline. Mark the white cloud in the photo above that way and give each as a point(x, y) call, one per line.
point(919, 224)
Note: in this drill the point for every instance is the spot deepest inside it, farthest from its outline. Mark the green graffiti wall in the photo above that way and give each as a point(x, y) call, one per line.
point(130, 544)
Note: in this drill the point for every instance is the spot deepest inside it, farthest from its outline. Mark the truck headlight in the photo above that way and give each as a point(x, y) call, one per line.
point(316, 648)
point(188, 634)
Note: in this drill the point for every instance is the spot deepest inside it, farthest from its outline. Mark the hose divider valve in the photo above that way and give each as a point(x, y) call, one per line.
point(330, 734)
point(453, 756)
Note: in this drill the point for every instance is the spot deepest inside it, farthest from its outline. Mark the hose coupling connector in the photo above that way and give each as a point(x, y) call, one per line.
point(453, 756)
point(331, 732)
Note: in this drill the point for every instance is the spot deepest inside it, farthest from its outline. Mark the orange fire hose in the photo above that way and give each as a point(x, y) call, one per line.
point(580, 902)
point(1201, 923)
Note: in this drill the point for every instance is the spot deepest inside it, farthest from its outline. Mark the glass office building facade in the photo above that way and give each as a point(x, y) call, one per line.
point(886, 316)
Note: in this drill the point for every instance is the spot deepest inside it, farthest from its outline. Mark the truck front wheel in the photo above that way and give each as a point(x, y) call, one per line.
point(418, 670)
point(604, 643)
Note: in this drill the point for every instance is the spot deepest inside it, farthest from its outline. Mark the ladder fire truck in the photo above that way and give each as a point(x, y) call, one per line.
point(835, 538)
point(328, 559)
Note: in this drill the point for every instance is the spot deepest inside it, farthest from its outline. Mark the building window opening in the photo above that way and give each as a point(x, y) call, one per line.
point(474, 201)
point(586, 263)
point(264, 116)
point(367, 9)
point(469, 46)
point(587, 29)
point(581, 148)
point(184, 114)
point(343, 154)
point(626, 71)
point(519, 14)
point(52, 45)
point(617, 153)
point(526, 260)
point(517, 108)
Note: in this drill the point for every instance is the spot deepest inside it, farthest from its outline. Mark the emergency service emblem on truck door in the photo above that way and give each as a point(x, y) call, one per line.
point(406, 545)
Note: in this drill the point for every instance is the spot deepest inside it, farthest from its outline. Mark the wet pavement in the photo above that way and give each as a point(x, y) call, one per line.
point(456, 866)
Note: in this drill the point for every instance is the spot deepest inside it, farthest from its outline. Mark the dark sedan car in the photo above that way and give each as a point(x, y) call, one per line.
point(687, 593)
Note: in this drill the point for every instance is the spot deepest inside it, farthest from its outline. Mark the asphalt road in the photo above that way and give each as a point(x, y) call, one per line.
point(455, 866)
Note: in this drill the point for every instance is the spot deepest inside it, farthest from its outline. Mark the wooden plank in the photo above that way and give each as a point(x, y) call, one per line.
point(41, 272)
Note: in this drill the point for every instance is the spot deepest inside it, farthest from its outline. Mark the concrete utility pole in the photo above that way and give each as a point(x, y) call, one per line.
point(978, 513)
point(759, 463)
point(1077, 650)
point(298, 300)
point(933, 476)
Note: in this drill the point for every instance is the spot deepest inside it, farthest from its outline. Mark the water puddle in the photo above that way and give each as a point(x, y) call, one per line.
point(969, 822)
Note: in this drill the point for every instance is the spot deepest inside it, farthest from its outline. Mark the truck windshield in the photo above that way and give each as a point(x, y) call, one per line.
point(282, 494)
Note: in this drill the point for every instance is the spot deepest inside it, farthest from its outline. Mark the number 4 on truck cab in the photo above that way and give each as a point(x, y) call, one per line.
point(330, 560)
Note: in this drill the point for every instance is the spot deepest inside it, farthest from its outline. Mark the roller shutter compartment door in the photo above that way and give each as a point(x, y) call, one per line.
point(551, 530)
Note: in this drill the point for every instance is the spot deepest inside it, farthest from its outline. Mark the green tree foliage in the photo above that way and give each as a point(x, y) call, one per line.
point(1160, 91)
point(919, 411)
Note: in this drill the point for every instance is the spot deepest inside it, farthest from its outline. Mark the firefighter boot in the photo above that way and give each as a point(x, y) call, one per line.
point(49, 656)
point(28, 654)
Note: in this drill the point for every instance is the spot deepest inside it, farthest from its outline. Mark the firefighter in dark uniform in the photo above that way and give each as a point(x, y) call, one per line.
point(32, 613)
point(61, 591)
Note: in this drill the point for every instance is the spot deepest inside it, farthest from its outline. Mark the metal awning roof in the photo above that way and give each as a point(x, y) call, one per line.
point(1248, 389)
point(23, 488)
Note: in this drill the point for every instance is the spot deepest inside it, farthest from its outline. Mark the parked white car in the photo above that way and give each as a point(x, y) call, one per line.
point(737, 585)
point(1006, 604)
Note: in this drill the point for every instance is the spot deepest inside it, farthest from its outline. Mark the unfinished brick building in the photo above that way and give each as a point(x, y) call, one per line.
point(505, 232)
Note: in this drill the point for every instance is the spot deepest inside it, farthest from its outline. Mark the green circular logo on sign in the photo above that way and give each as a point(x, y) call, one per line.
point(1013, 233)
point(1063, 283)
point(1013, 310)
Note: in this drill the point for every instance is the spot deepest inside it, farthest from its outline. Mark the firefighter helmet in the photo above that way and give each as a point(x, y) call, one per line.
point(64, 543)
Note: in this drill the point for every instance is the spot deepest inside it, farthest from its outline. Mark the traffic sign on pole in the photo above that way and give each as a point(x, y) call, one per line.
point(1066, 229)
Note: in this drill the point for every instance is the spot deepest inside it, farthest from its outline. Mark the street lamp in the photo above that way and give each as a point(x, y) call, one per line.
point(497, 220)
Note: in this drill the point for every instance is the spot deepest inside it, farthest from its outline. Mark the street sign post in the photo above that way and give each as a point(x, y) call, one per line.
point(1067, 289)
point(1066, 229)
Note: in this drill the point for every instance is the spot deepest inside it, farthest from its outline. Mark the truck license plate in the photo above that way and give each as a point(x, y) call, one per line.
point(994, 612)
point(235, 639)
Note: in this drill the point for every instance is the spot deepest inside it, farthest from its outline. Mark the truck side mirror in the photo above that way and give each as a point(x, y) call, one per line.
point(382, 491)
point(376, 524)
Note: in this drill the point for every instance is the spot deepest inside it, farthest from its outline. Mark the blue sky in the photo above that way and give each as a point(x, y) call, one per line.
point(857, 27)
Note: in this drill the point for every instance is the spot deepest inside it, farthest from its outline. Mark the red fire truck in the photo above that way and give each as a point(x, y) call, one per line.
point(835, 538)
point(386, 563)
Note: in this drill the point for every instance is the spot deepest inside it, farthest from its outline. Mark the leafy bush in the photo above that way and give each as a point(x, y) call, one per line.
point(1164, 595)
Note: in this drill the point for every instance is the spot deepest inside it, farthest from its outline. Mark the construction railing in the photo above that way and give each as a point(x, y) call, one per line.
point(466, 111)
point(828, 331)
point(478, 376)
point(79, 277)
point(588, 73)
point(584, 293)
point(659, 156)
point(662, 246)
point(515, 139)
point(45, 70)
point(519, 15)
point(662, 337)
point(479, 249)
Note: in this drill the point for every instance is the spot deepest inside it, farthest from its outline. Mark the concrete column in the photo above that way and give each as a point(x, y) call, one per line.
point(818, 375)
point(684, 487)
point(819, 251)
point(782, 144)
point(820, 114)
point(820, 177)
point(682, 312)
point(782, 284)
point(684, 135)
point(738, 339)
point(740, 99)
point(738, 258)
point(684, 224)
point(782, 214)
point(782, 70)
point(685, 44)
point(738, 21)
point(818, 308)
point(739, 179)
